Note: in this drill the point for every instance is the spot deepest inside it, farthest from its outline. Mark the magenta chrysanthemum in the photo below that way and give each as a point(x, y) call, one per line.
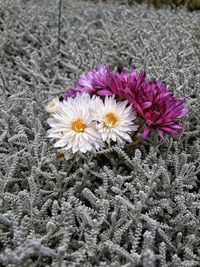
point(92, 82)
point(158, 107)
point(101, 81)
point(119, 84)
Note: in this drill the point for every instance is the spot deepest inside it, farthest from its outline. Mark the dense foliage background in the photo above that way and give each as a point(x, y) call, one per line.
point(190, 4)
point(135, 206)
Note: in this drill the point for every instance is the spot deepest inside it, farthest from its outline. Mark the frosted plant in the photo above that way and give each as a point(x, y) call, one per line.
point(133, 205)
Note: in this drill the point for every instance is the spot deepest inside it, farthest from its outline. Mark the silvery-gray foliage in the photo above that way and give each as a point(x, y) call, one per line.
point(128, 206)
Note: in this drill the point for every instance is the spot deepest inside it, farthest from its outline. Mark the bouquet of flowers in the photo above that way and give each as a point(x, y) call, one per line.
point(106, 107)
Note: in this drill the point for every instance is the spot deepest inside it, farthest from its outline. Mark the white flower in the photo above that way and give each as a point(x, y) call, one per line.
point(73, 125)
point(52, 105)
point(115, 119)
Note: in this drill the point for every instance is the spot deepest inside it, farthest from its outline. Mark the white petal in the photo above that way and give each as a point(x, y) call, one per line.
point(61, 143)
point(125, 114)
point(68, 111)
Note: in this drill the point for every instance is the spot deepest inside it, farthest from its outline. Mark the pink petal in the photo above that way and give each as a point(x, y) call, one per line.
point(146, 132)
point(170, 131)
point(160, 135)
point(104, 92)
point(146, 104)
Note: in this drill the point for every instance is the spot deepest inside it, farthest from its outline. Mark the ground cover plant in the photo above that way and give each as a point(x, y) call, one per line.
point(190, 4)
point(136, 205)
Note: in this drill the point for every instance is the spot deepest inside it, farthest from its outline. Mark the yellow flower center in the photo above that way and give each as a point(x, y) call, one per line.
point(110, 120)
point(78, 126)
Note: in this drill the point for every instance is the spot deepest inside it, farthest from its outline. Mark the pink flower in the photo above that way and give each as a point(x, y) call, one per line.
point(158, 107)
point(120, 84)
point(92, 82)
point(102, 81)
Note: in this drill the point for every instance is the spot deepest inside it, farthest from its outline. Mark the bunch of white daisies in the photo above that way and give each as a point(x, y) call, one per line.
point(86, 123)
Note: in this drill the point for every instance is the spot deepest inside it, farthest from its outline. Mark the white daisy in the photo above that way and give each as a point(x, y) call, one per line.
point(52, 105)
point(115, 119)
point(73, 125)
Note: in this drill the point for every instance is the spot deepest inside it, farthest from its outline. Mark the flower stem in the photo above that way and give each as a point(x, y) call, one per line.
point(138, 130)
